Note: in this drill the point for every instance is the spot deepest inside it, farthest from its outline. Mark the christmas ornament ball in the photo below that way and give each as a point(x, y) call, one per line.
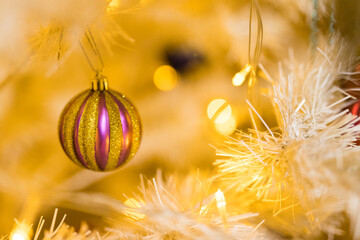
point(100, 129)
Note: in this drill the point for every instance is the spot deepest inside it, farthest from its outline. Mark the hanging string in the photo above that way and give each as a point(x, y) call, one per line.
point(95, 51)
point(314, 26)
point(60, 43)
point(100, 82)
point(332, 22)
point(332, 17)
point(259, 35)
point(250, 31)
point(249, 71)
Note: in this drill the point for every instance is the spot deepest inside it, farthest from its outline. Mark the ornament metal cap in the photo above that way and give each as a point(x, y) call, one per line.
point(100, 82)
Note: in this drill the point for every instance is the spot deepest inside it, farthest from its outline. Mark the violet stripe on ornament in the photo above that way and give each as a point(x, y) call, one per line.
point(102, 144)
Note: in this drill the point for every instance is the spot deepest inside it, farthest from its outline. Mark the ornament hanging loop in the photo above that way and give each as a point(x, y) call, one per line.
point(249, 71)
point(100, 82)
point(91, 43)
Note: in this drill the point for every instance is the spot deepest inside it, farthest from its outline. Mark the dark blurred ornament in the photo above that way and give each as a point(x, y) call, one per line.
point(99, 128)
point(182, 58)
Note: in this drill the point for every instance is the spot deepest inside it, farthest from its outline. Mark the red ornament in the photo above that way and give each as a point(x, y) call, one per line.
point(355, 109)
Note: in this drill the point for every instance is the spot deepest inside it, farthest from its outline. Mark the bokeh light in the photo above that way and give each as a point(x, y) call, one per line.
point(18, 236)
point(113, 4)
point(240, 77)
point(165, 78)
point(219, 111)
point(228, 127)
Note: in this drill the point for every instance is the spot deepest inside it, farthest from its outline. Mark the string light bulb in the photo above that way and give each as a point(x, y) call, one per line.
point(19, 236)
point(228, 127)
point(221, 206)
point(240, 77)
point(220, 200)
point(22, 231)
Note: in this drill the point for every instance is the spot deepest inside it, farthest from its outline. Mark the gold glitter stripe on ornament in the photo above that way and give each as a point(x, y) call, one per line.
point(69, 126)
point(135, 119)
point(62, 119)
point(116, 134)
point(87, 130)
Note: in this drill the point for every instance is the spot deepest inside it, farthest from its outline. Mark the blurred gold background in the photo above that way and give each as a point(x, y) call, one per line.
point(201, 43)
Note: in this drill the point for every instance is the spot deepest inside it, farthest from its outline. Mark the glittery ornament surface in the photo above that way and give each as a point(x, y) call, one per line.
point(136, 136)
point(100, 130)
point(67, 126)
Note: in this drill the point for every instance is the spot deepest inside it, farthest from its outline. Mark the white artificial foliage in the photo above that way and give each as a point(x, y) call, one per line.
point(311, 158)
point(181, 208)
